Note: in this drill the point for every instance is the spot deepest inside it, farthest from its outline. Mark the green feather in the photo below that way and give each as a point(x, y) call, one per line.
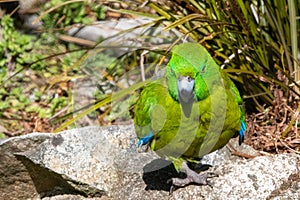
point(215, 113)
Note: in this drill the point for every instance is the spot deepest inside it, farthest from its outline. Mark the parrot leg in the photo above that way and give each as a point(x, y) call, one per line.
point(191, 177)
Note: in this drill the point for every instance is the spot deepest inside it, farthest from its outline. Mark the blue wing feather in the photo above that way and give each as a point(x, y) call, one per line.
point(242, 132)
point(145, 140)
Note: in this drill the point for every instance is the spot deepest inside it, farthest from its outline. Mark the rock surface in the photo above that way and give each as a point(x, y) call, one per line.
point(104, 163)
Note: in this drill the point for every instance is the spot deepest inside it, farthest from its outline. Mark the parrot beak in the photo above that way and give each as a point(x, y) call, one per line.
point(186, 94)
point(185, 86)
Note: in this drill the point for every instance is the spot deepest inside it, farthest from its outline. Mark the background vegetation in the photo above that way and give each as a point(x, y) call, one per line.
point(256, 42)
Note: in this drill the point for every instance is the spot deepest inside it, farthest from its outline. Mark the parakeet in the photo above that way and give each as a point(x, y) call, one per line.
point(193, 110)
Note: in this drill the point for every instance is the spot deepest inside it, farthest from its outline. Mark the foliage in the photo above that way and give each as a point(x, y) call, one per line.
point(33, 84)
point(37, 70)
point(256, 32)
point(64, 14)
point(14, 49)
point(14, 55)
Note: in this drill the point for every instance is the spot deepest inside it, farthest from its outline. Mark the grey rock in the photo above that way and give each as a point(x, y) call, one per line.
point(106, 29)
point(15, 181)
point(257, 178)
point(224, 155)
point(125, 32)
point(104, 163)
point(31, 21)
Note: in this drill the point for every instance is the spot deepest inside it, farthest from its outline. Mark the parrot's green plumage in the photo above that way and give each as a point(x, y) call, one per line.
point(192, 111)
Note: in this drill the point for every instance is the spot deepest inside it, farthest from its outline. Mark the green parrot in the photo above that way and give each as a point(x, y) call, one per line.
point(193, 110)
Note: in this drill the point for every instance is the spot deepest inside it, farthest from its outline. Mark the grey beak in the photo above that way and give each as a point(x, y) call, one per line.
point(186, 94)
point(185, 86)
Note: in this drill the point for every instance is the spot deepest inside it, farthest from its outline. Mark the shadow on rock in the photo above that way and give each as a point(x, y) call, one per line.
point(49, 183)
point(157, 174)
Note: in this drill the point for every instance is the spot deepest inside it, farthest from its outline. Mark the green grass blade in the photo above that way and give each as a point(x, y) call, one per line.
point(110, 98)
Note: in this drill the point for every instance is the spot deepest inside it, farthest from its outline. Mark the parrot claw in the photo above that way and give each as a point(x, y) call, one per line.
point(200, 179)
point(191, 177)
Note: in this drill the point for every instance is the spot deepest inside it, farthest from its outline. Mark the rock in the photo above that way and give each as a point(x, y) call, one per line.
point(104, 163)
point(15, 181)
point(107, 28)
point(30, 6)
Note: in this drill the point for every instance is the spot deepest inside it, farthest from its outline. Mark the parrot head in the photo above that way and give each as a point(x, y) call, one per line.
point(186, 74)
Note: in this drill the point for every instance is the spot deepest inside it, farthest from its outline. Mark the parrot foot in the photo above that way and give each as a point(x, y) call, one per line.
point(191, 177)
